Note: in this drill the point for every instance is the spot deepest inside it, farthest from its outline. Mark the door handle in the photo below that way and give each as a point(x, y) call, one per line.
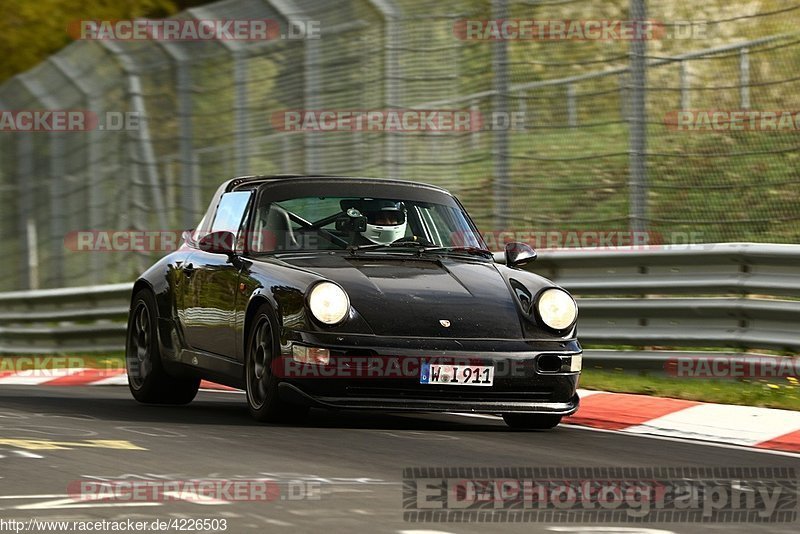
point(188, 269)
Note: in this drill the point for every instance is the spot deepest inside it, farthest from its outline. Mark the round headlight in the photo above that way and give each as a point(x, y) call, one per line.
point(557, 308)
point(328, 303)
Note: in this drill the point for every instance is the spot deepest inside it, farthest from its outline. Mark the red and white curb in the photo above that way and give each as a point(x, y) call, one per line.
point(762, 428)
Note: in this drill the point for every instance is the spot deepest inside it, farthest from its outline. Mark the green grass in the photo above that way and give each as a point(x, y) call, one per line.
point(780, 393)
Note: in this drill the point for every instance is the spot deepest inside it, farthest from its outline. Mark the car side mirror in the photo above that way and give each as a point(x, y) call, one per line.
point(220, 242)
point(519, 254)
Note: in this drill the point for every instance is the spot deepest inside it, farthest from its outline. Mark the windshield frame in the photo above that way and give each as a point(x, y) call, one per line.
point(282, 190)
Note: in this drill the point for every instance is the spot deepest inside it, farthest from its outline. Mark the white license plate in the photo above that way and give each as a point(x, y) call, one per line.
point(456, 375)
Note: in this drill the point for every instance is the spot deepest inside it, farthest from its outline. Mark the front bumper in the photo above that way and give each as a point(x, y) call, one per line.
point(293, 394)
point(520, 385)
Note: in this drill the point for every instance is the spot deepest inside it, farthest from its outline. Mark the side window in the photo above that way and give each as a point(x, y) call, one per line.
point(231, 214)
point(231, 211)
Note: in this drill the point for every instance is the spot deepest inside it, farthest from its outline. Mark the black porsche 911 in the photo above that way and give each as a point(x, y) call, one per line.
point(352, 293)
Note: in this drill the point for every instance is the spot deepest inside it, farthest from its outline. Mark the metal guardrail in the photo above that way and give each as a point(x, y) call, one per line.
point(716, 295)
point(732, 296)
point(75, 319)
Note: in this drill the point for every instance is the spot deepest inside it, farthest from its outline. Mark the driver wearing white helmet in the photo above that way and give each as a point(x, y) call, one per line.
point(385, 219)
point(385, 226)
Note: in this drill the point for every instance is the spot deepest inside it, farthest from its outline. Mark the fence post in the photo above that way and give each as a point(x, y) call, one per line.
point(56, 176)
point(190, 196)
point(572, 110)
point(24, 183)
point(500, 146)
point(240, 112)
point(95, 105)
point(638, 120)
point(391, 91)
point(624, 109)
point(744, 77)
point(686, 95)
point(190, 188)
point(145, 144)
point(311, 101)
point(58, 219)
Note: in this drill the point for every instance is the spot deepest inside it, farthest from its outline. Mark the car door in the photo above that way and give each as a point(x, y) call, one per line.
point(212, 282)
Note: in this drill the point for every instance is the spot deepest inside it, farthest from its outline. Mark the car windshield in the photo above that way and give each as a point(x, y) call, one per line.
point(361, 223)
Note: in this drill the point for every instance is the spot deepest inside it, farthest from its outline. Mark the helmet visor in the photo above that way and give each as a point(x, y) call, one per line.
point(385, 217)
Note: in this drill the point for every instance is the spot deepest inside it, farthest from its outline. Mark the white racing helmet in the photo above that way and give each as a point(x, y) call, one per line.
point(385, 224)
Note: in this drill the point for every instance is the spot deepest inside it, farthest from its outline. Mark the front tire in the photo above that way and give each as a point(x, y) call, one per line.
point(261, 383)
point(148, 381)
point(529, 421)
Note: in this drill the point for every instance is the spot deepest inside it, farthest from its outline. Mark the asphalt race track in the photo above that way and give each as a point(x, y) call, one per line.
point(350, 464)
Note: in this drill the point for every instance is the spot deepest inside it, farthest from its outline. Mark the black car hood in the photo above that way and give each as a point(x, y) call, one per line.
point(412, 296)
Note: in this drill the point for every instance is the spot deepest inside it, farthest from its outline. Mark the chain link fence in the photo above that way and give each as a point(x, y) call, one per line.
point(596, 145)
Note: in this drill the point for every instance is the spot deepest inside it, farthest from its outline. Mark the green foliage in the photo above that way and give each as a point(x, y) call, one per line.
point(31, 30)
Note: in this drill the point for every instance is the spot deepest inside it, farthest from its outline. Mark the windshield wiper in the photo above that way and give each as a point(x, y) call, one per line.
point(373, 246)
point(475, 251)
point(422, 248)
